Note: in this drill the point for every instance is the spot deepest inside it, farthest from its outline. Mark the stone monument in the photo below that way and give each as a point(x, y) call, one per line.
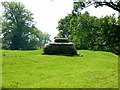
point(60, 46)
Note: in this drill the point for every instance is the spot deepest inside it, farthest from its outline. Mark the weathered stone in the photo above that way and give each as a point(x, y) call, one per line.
point(62, 40)
point(60, 46)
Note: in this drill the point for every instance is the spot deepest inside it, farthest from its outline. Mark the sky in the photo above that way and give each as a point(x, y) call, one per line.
point(47, 13)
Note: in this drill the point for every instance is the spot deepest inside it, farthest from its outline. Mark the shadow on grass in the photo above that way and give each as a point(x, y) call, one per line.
point(69, 55)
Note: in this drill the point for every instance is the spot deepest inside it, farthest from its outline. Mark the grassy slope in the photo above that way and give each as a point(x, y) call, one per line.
point(31, 69)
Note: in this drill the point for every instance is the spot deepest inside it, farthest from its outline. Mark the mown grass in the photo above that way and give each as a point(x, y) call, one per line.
point(30, 69)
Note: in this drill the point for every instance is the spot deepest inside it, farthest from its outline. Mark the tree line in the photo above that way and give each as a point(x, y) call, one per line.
point(18, 28)
point(87, 32)
point(91, 33)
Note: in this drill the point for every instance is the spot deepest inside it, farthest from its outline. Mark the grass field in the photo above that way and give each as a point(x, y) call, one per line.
point(30, 69)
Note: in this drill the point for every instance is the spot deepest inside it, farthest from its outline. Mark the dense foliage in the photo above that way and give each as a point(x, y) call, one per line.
point(18, 28)
point(90, 32)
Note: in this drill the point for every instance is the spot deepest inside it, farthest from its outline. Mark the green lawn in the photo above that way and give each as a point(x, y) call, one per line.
point(30, 69)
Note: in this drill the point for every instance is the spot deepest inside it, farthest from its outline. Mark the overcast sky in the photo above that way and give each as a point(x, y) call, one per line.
point(47, 13)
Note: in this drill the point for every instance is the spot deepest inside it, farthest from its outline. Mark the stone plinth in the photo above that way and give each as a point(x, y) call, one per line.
point(60, 46)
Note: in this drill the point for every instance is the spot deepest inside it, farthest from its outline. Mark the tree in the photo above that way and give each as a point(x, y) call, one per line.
point(110, 31)
point(18, 27)
point(90, 32)
point(63, 26)
point(81, 5)
point(46, 38)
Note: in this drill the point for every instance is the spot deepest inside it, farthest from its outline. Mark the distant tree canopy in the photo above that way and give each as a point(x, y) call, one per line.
point(90, 32)
point(18, 28)
point(86, 3)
